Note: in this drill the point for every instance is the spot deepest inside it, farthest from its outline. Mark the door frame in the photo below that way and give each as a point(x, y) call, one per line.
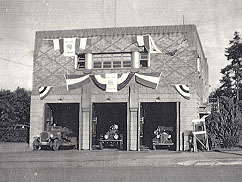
point(178, 122)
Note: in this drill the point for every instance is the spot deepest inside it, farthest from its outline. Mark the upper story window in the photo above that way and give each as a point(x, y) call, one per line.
point(80, 61)
point(144, 60)
point(112, 60)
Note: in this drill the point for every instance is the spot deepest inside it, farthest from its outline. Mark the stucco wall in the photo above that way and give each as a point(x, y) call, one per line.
point(178, 68)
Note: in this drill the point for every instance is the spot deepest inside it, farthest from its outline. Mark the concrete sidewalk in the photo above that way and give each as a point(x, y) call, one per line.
point(20, 153)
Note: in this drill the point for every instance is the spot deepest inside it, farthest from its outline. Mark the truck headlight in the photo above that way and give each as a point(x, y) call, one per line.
point(106, 136)
point(51, 135)
point(115, 136)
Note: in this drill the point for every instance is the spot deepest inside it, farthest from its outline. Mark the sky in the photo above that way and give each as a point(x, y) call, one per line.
point(216, 22)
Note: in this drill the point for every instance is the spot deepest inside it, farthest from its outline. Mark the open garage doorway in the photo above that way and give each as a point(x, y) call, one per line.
point(106, 115)
point(156, 115)
point(64, 115)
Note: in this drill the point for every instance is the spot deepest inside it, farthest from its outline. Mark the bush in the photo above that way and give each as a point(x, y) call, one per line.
point(14, 135)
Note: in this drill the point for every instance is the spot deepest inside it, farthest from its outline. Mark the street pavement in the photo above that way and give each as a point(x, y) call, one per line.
point(19, 163)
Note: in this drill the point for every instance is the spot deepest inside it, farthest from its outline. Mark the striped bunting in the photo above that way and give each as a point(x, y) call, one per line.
point(44, 91)
point(183, 90)
point(150, 80)
point(99, 81)
point(122, 81)
point(76, 81)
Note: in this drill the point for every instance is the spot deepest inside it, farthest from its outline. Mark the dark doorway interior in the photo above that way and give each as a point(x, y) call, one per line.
point(107, 114)
point(63, 114)
point(154, 115)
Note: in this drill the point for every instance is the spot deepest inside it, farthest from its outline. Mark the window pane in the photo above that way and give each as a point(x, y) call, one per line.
point(144, 56)
point(106, 64)
point(117, 64)
point(144, 63)
point(97, 55)
point(116, 55)
point(97, 65)
point(81, 56)
point(107, 59)
point(126, 57)
point(127, 64)
point(81, 65)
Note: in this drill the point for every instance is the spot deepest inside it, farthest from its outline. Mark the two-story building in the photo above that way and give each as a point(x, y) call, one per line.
point(136, 77)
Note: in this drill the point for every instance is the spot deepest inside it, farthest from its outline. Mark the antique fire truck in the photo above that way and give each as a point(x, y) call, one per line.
point(163, 137)
point(112, 138)
point(54, 137)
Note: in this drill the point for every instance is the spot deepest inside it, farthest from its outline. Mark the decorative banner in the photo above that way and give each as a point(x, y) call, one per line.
point(183, 90)
point(69, 47)
point(44, 91)
point(61, 43)
point(150, 80)
point(56, 44)
point(140, 40)
point(102, 83)
point(148, 43)
point(99, 81)
point(124, 79)
point(83, 42)
point(111, 82)
point(76, 81)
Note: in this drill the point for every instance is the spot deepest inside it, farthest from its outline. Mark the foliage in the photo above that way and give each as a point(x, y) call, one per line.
point(232, 73)
point(14, 109)
point(224, 126)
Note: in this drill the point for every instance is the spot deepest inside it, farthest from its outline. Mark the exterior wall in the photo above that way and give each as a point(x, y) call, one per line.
point(180, 68)
point(203, 82)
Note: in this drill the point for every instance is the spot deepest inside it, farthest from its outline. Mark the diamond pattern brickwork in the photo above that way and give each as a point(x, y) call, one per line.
point(50, 67)
point(177, 62)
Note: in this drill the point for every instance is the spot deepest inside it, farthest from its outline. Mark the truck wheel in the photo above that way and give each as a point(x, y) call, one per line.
point(56, 145)
point(36, 144)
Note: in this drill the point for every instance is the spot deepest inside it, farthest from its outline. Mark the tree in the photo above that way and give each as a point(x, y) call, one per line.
point(14, 109)
point(224, 126)
point(232, 73)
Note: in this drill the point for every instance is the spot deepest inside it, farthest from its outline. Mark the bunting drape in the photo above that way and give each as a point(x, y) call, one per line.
point(183, 90)
point(44, 91)
point(150, 80)
point(76, 81)
point(113, 82)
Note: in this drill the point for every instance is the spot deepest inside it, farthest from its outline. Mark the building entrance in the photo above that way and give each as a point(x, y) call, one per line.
point(63, 115)
point(156, 118)
point(105, 116)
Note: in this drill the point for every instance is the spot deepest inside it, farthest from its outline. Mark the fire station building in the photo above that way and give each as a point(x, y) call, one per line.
point(136, 77)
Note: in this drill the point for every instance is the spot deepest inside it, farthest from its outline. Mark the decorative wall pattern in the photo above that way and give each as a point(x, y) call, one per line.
point(177, 62)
